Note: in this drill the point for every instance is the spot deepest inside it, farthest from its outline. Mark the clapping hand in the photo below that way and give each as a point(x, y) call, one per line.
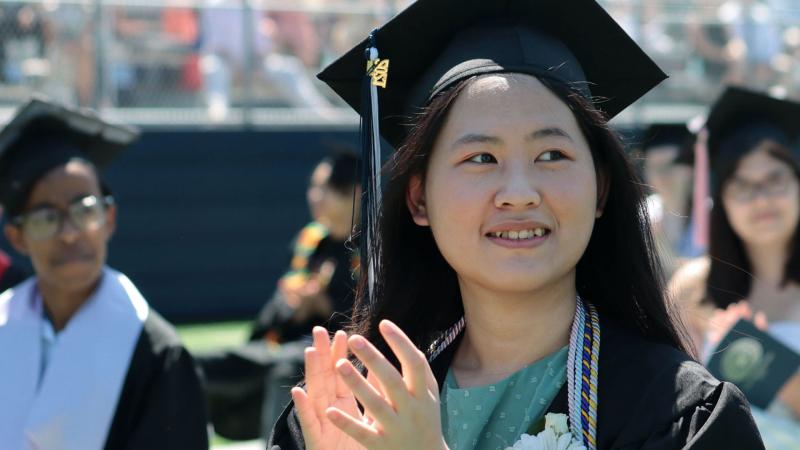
point(401, 408)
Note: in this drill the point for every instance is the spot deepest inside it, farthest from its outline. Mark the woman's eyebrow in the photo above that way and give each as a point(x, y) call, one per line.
point(548, 132)
point(475, 138)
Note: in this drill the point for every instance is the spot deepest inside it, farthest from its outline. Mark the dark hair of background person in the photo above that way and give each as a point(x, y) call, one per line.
point(17, 204)
point(730, 275)
point(345, 175)
point(419, 291)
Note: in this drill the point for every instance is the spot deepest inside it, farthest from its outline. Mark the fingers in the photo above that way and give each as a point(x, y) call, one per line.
point(361, 432)
point(320, 378)
point(370, 397)
point(305, 412)
point(760, 321)
point(394, 388)
point(412, 360)
point(339, 351)
point(322, 343)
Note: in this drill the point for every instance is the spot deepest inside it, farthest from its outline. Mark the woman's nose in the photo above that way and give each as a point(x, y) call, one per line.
point(518, 189)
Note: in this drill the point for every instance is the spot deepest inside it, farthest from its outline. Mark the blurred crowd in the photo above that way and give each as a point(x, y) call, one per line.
point(215, 54)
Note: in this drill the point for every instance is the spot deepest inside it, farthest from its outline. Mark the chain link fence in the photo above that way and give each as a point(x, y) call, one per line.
point(200, 62)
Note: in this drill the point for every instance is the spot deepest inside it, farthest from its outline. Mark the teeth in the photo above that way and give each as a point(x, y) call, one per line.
point(521, 234)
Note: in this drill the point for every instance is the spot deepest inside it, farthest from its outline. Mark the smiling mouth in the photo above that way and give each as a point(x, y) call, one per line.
point(520, 235)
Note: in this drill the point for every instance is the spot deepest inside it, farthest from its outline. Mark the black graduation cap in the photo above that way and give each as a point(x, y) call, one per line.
point(741, 118)
point(670, 134)
point(43, 135)
point(435, 43)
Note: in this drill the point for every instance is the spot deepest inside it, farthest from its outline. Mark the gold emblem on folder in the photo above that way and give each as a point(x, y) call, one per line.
point(378, 69)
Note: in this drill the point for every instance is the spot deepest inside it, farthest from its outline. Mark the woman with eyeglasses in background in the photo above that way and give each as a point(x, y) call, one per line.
point(87, 364)
point(752, 270)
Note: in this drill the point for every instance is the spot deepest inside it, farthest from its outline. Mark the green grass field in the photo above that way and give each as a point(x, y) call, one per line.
point(205, 337)
point(213, 336)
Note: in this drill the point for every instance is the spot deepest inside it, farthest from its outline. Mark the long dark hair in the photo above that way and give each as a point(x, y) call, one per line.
point(730, 275)
point(418, 290)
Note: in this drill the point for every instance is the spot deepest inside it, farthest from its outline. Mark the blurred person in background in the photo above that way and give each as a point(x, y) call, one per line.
point(231, 46)
point(666, 153)
point(72, 51)
point(25, 36)
point(296, 34)
point(758, 32)
point(712, 39)
point(93, 365)
point(752, 270)
point(248, 386)
point(739, 43)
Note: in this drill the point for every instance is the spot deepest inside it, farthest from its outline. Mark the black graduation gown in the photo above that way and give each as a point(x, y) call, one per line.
point(651, 396)
point(161, 405)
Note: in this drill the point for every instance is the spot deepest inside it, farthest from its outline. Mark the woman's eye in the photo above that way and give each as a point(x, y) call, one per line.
point(552, 155)
point(483, 158)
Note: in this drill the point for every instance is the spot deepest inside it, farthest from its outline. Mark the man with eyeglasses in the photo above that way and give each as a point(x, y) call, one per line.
point(86, 363)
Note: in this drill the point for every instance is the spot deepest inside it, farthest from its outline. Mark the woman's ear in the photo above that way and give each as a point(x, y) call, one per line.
point(415, 200)
point(15, 238)
point(603, 187)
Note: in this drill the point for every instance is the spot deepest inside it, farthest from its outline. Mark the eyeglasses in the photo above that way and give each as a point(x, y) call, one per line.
point(744, 191)
point(86, 214)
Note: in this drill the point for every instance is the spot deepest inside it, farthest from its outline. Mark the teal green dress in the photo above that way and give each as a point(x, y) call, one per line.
point(493, 417)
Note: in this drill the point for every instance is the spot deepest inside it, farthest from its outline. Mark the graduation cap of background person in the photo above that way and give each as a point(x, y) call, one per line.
point(434, 44)
point(740, 119)
point(670, 135)
point(43, 135)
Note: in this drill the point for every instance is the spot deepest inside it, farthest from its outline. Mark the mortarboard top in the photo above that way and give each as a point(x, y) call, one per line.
point(670, 134)
point(44, 135)
point(740, 119)
point(435, 43)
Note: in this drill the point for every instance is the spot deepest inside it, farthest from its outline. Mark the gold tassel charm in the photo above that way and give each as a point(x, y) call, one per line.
point(378, 70)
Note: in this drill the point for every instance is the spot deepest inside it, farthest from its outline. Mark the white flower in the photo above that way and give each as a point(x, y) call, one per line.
point(555, 436)
point(556, 422)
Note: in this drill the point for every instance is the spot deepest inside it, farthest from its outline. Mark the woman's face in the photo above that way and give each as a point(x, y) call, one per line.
point(762, 199)
point(511, 191)
point(318, 190)
point(328, 206)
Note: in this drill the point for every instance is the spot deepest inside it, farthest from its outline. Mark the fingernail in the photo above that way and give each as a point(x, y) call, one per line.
point(387, 327)
point(344, 368)
point(358, 342)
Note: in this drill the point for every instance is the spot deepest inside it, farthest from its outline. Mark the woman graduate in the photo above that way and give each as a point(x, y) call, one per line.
point(513, 272)
point(753, 267)
point(88, 365)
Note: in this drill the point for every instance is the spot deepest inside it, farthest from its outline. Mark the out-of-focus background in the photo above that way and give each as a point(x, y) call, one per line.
point(234, 119)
